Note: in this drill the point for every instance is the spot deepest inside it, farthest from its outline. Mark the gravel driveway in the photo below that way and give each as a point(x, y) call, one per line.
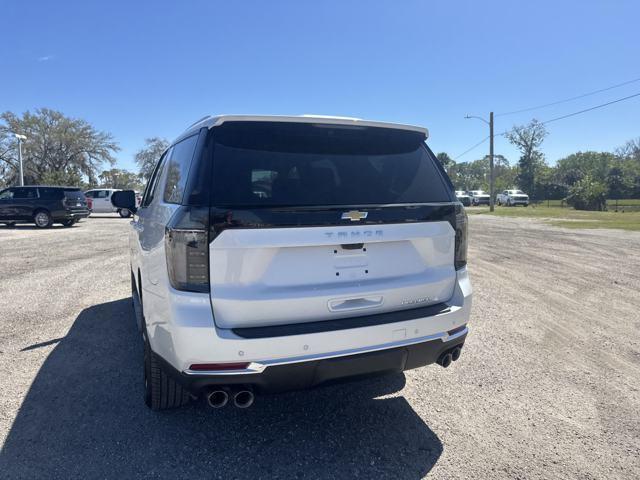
point(548, 385)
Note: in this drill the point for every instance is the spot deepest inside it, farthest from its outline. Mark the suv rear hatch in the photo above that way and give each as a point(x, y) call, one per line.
point(74, 198)
point(313, 222)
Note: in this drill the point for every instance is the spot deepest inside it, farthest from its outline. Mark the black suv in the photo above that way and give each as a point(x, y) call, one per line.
point(42, 205)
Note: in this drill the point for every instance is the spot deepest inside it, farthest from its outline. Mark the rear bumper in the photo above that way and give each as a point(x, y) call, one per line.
point(307, 373)
point(72, 214)
point(182, 331)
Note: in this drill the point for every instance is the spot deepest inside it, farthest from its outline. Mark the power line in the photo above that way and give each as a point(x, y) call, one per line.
point(555, 119)
point(592, 108)
point(568, 99)
point(471, 148)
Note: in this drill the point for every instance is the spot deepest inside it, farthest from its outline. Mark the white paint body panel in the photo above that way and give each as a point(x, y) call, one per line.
point(293, 275)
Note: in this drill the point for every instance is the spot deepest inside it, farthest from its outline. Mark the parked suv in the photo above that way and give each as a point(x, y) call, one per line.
point(42, 205)
point(279, 253)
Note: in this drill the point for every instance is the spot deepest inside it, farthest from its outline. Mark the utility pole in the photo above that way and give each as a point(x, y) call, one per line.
point(20, 139)
point(491, 176)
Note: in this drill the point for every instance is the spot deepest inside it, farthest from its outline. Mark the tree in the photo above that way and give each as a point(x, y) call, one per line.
point(118, 178)
point(617, 187)
point(588, 194)
point(628, 160)
point(147, 157)
point(472, 175)
point(58, 149)
point(528, 139)
point(445, 160)
point(547, 186)
point(448, 164)
point(577, 165)
point(630, 150)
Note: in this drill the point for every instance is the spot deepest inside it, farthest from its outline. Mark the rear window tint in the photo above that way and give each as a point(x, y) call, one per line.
point(288, 164)
point(74, 194)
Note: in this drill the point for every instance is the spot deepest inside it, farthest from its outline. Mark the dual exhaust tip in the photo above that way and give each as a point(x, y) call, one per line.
point(450, 356)
point(220, 397)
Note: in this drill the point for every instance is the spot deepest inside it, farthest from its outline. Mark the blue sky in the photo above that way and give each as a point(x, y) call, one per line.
point(141, 69)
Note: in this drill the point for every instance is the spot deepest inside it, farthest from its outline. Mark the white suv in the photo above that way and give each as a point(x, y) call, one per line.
point(278, 253)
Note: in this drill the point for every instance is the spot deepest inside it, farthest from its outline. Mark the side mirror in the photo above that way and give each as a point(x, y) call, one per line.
point(125, 199)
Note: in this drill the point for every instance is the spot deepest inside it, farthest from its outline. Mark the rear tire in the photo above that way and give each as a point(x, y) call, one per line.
point(161, 392)
point(124, 213)
point(42, 219)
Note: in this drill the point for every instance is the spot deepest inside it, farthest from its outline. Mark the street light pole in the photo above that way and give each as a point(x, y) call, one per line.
point(20, 139)
point(491, 176)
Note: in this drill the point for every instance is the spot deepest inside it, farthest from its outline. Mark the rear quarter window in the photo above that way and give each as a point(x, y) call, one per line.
point(177, 169)
point(50, 193)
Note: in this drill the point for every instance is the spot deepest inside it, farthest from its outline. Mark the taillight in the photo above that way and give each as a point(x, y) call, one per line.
point(187, 249)
point(460, 259)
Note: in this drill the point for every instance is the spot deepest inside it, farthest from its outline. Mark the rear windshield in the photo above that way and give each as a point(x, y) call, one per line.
point(295, 164)
point(73, 194)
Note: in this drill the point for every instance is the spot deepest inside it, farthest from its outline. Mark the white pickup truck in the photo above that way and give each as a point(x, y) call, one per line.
point(511, 198)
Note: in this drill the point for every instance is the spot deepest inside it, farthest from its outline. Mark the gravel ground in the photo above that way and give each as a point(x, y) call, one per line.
point(547, 386)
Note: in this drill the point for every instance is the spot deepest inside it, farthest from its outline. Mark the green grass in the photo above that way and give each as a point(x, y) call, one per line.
point(567, 217)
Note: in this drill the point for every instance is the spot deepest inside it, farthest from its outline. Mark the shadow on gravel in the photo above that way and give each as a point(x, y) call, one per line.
point(26, 226)
point(84, 417)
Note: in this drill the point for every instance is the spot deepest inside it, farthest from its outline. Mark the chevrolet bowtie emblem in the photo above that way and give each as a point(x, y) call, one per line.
point(354, 215)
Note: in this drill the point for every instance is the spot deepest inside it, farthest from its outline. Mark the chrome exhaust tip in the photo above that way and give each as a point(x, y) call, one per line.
point(217, 398)
point(243, 398)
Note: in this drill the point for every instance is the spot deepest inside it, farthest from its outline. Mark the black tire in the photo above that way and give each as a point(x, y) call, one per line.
point(42, 219)
point(161, 392)
point(124, 213)
point(68, 223)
